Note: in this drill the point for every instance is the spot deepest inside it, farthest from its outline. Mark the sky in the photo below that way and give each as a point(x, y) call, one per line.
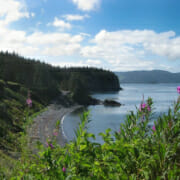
point(118, 35)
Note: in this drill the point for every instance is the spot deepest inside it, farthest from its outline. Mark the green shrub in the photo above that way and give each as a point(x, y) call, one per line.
point(137, 151)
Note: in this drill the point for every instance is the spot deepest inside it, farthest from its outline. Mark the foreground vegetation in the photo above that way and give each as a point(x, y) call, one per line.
point(137, 151)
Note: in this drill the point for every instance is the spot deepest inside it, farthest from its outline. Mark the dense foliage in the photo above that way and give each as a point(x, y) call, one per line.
point(137, 151)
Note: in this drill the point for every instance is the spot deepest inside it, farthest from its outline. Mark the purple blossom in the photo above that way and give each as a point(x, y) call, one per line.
point(64, 169)
point(55, 133)
point(51, 146)
point(29, 102)
point(154, 128)
point(149, 108)
point(47, 144)
point(142, 106)
point(178, 89)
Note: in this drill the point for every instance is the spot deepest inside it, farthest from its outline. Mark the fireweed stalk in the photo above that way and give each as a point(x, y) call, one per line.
point(29, 105)
point(28, 100)
point(145, 108)
point(52, 140)
point(178, 90)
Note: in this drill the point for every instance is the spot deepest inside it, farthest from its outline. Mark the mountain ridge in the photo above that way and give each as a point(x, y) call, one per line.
point(153, 76)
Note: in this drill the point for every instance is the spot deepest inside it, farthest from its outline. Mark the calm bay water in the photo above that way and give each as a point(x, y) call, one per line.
point(103, 117)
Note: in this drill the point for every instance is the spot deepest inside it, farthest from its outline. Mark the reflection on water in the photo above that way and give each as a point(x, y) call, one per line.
point(103, 117)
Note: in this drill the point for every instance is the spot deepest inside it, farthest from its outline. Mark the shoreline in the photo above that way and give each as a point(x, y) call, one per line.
point(44, 124)
point(62, 133)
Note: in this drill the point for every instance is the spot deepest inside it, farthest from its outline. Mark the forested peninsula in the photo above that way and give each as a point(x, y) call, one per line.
point(20, 76)
point(47, 80)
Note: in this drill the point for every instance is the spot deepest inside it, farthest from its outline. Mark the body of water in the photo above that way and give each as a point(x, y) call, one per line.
point(164, 95)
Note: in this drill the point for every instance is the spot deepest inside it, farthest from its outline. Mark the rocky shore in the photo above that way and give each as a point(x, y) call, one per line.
point(44, 124)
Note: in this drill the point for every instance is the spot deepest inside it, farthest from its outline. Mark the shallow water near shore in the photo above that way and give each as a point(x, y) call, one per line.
point(164, 96)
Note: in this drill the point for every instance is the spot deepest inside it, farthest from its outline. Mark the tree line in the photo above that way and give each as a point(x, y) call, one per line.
point(47, 80)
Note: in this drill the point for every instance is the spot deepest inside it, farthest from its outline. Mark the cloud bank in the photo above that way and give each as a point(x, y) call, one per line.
point(75, 17)
point(86, 5)
point(116, 50)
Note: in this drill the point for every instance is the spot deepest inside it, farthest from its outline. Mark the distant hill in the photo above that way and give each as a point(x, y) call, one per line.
point(154, 76)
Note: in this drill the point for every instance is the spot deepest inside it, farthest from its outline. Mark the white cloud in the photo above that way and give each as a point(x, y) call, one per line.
point(32, 14)
point(133, 43)
point(75, 17)
point(129, 50)
point(94, 62)
point(85, 34)
point(79, 63)
point(16, 41)
point(61, 24)
point(87, 5)
point(12, 10)
point(40, 38)
point(39, 43)
point(61, 50)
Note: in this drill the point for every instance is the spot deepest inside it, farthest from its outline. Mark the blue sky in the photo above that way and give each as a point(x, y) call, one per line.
point(119, 35)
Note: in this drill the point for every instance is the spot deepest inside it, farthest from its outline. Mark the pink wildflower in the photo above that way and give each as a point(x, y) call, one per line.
point(149, 108)
point(29, 102)
point(51, 146)
point(154, 128)
point(55, 133)
point(142, 106)
point(178, 89)
point(64, 169)
point(47, 144)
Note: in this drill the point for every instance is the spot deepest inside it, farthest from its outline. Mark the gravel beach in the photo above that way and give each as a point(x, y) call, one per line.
point(45, 123)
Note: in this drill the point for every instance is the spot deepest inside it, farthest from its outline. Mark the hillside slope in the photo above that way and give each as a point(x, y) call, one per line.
point(13, 110)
